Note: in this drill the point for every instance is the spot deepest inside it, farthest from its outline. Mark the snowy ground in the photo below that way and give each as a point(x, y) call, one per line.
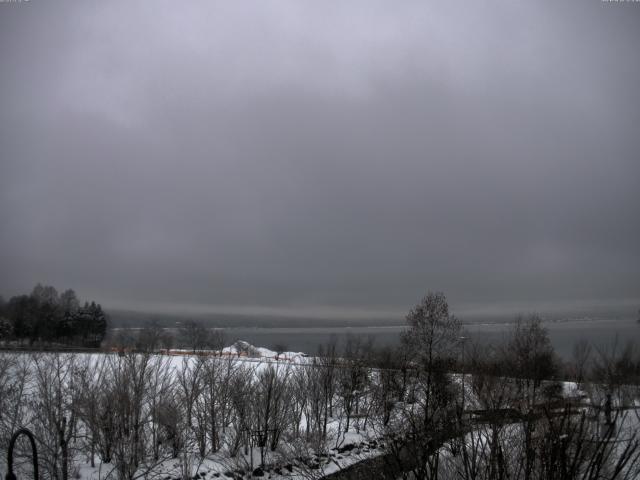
point(344, 448)
point(290, 460)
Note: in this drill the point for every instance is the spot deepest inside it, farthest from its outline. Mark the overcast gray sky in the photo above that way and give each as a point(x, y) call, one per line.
point(320, 156)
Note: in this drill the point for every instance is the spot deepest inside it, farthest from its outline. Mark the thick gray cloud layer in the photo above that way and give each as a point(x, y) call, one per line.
point(320, 155)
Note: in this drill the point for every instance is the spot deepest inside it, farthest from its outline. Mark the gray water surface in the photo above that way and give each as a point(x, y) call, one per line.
point(563, 334)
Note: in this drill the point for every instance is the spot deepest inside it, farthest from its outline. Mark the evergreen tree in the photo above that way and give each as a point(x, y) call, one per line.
point(46, 316)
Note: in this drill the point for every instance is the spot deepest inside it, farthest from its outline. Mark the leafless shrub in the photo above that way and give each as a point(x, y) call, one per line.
point(57, 384)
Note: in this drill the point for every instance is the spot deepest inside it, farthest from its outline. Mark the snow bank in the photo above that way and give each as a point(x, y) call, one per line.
point(245, 349)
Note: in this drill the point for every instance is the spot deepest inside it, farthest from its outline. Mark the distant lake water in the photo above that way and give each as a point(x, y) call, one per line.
point(563, 334)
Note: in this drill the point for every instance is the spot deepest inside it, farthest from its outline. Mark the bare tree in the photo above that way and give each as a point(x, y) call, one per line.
point(272, 406)
point(387, 388)
point(328, 361)
point(127, 414)
point(428, 414)
point(15, 377)
point(481, 451)
point(217, 379)
point(564, 446)
point(581, 357)
point(92, 371)
point(616, 376)
point(195, 336)
point(161, 385)
point(242, 394)
point(189, 387)
point(150, 337)
point(55, 406)
point(531, 358)
point(353, 376)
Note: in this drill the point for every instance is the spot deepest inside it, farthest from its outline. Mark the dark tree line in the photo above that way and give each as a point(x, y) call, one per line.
point(47, 316)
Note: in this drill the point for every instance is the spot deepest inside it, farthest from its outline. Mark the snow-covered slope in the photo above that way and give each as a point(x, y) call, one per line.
point(245, 349)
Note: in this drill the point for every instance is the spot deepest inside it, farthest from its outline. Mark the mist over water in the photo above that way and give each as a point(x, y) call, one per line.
point(602, 324)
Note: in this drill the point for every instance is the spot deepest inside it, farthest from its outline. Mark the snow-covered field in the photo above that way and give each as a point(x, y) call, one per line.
point(246, 412)
point(245, 378)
